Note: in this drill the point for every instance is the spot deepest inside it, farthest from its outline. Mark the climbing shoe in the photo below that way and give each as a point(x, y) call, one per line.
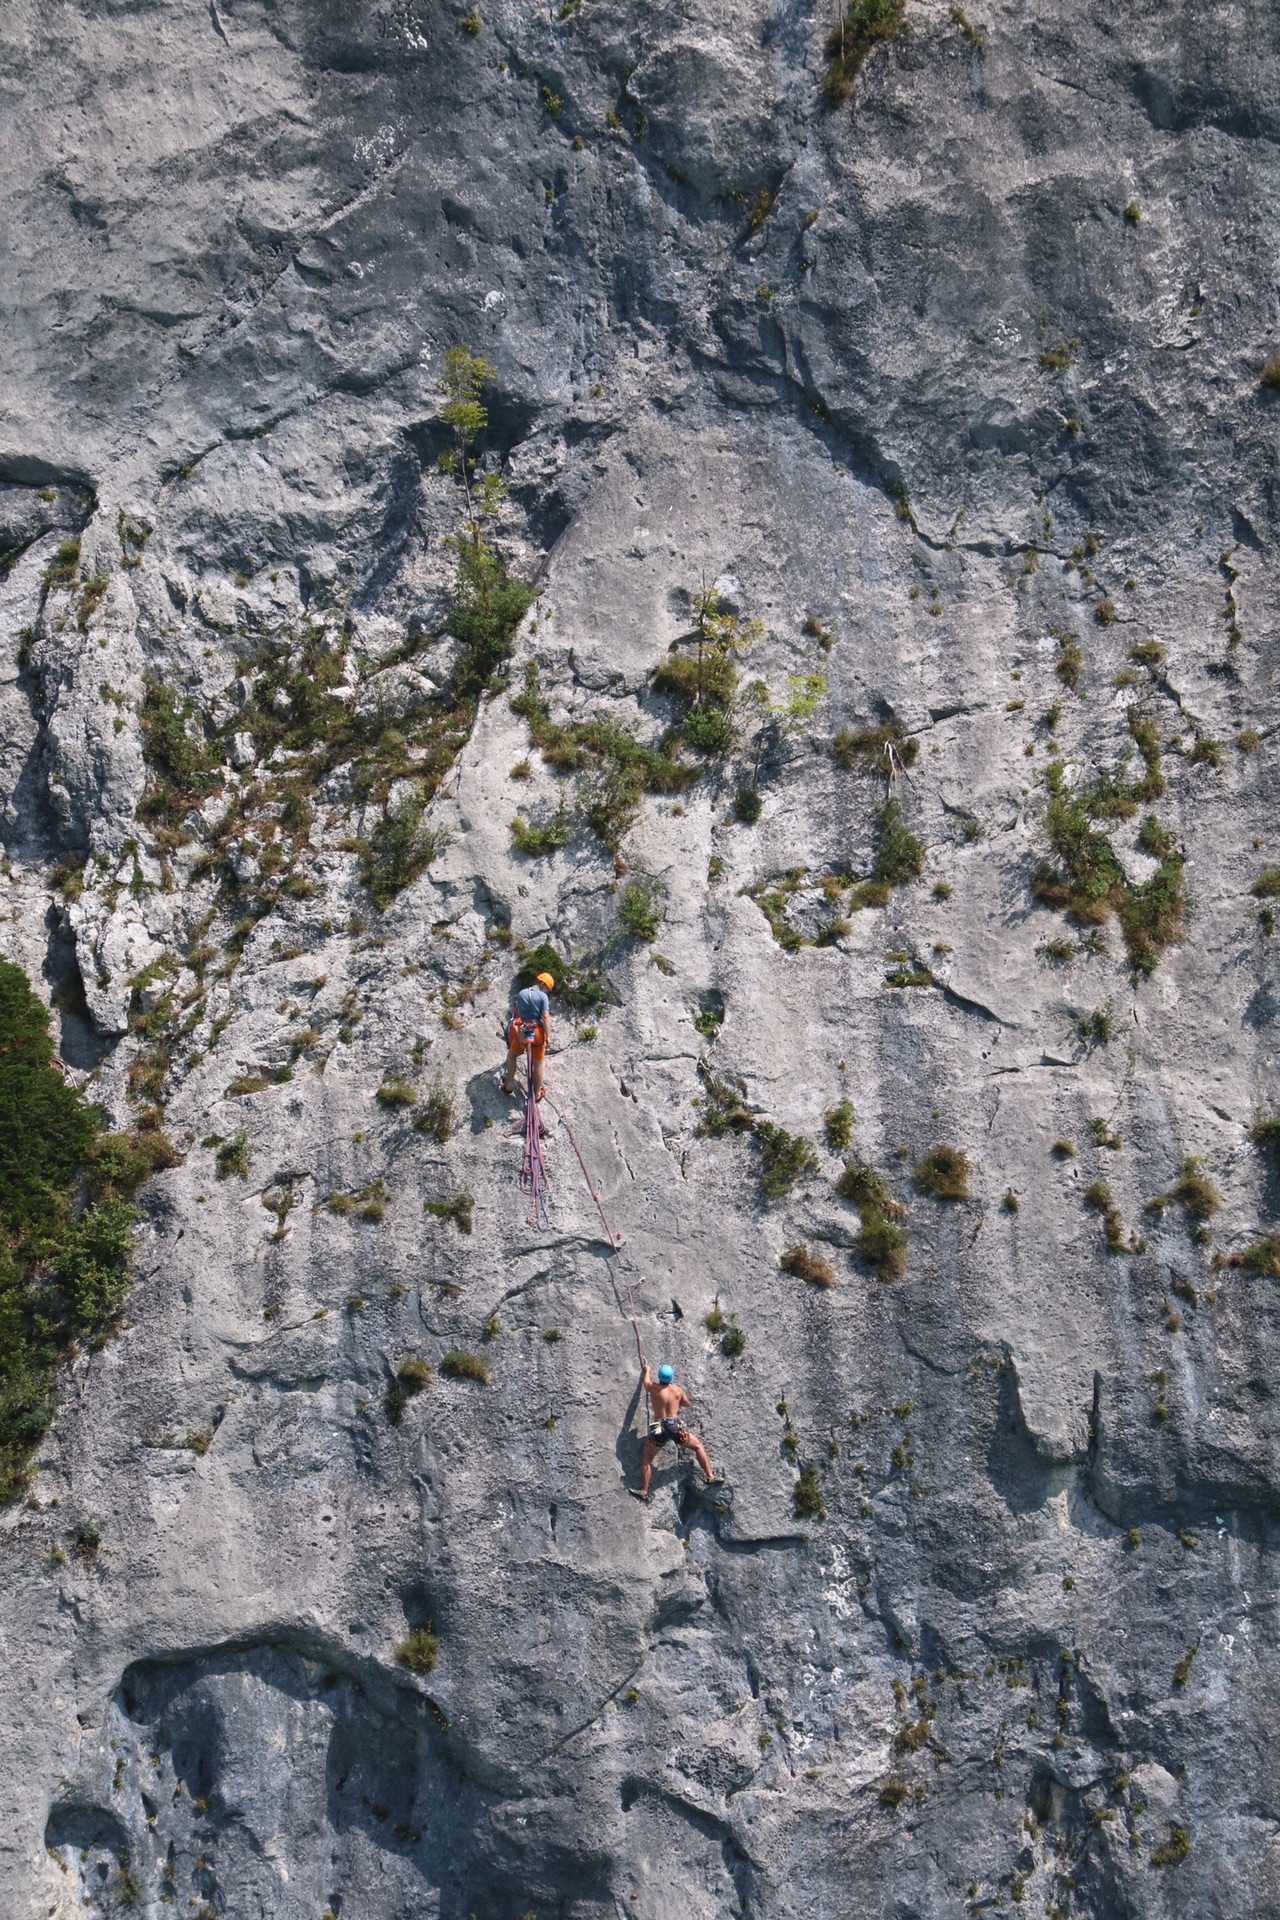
point(644, 1498)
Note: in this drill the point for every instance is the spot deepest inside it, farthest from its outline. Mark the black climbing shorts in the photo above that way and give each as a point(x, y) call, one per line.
point(664, 1430)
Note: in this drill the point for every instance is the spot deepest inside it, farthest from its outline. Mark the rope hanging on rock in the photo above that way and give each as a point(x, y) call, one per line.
point(614, 1239)
point(533, 1172)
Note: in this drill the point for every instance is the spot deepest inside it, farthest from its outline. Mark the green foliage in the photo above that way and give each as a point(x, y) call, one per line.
point(807, 1496)
point(420, 1651)
point(1267, 884)
point(1096, 1028)
point(724, 1108)
point(459, 1208)
point(862, 25)
point(1099, 1196)
point(63, 1277)
point(466, 1366)
point(578, 984)
point(746, 806)
point(733, 1341)
point(488, 606)
point(397, 1090)
point(1270, 375)
point(678, 675)
point(1262, 1257)
point(119, 1163)
point(1172, 1851)
point(883, 750)
point(92, 1267)
point(785, 1157)
point(900, 856)
point(641, 911)
point(945, 1173)
point(1070, 662)
point(1196, 1191)
point(804, 1264)
point(1265, 1132)
point(839, 1122)
point(1089, 880)
point(882, 1240)
point(47, 1128)
point(183, 769)
point(434, 1116)
point(710, 730)
point(400, 850)
point(61, 570)
point(537, 842)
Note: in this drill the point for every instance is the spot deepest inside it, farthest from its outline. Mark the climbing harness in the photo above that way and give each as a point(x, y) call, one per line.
point(533, 1172)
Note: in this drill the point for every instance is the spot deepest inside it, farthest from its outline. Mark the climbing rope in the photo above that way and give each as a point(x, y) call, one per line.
point(614, 1239)
point(533, 1172)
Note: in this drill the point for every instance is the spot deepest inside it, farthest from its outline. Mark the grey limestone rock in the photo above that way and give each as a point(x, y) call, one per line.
point(956, 389)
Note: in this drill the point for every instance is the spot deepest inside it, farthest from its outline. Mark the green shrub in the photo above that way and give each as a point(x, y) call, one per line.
point(945, 1173)
point(61, 570)
point(804, 1264)
point(733, 1341)
point(839, 1122)
point(641, 911)
point(119, 1163)
point(435, 1116)
point(399, 851)
point(883, 1244)
point(578, 982)
point(1196, 1191)
point(466, 1366)
point(862, 25)
point(1172, 1851)
point(807, 1496)
point(878, 750)
point(51, 1140)
point(459, 1209)
point(397, 1090)
point(1089, 882)
point(785, 1157)
point(184, 769)
point(538, 841)
point(1262, 1257)
point(709, 730)
point(93, 1267)
point(882, 1240)
point(900, 856)
point(1099, 1196)
point(747, 805)
point(724, 1108)
point(1270, 375)
point(420, 1651)
point(488, 607)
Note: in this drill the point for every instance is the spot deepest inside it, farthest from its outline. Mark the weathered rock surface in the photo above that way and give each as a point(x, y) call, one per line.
point(946, 420)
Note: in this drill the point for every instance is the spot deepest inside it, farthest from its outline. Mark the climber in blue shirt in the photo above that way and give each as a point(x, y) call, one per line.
point(530, 1026)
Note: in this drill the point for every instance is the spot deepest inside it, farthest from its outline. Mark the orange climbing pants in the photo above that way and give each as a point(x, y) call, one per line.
point(519, 1034)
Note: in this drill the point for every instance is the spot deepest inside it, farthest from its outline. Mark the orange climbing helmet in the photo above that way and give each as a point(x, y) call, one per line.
point(545, 980)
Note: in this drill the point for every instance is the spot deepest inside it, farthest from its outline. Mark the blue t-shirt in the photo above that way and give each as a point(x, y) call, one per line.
point(532, 1004)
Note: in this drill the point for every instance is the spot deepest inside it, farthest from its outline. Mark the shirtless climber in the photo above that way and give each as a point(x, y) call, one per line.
point(665, 1402)
point(530, 1023)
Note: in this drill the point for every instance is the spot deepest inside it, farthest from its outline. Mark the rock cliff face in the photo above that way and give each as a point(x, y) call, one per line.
point(956, 390)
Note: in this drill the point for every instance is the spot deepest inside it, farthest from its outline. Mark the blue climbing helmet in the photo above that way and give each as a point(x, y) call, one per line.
point(666, 1375)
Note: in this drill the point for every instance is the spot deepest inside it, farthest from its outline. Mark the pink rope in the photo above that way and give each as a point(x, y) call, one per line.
point(533, 1172)
point(614, 1239)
